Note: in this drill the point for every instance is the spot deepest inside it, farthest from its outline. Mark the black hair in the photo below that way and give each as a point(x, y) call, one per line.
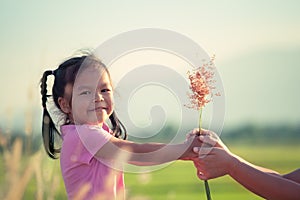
point(63, 75)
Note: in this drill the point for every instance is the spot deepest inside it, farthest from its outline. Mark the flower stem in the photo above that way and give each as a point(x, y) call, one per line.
point(207, 190)
point(200, 120)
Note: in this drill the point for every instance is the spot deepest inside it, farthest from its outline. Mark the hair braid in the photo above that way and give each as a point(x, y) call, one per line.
point(44, 87)
point(48, 127)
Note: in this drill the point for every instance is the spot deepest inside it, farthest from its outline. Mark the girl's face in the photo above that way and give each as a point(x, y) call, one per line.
point(92, 97)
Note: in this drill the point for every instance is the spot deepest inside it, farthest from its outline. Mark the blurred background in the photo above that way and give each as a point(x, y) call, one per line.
point(257, 48)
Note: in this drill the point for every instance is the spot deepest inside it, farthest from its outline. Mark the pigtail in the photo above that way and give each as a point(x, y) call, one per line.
point(117, 127)
point(48, 127)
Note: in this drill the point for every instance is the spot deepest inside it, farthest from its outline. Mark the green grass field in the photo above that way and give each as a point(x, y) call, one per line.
point(178, 180)
point(175, 181)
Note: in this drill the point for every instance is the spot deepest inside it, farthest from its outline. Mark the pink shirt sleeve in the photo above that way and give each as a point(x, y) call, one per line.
point(93, 138)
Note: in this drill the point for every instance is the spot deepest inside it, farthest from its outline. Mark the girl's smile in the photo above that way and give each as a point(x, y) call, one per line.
point(97, 109)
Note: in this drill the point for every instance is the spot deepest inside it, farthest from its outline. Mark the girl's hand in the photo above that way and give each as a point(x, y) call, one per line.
point(191, 142)
point(195, 133)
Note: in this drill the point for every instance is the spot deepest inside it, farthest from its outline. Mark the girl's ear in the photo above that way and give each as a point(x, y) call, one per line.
point(64, 105)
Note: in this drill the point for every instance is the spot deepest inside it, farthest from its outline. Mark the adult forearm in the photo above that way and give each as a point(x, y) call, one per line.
point(294, 176)
point(267, 185)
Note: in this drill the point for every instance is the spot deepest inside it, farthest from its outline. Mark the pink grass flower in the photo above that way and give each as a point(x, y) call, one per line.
point(202, 85)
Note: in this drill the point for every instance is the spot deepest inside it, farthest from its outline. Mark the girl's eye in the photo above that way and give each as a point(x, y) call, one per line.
point(105, 90)
point(85, 93)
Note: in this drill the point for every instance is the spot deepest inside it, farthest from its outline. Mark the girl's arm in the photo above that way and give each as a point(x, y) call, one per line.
point(147, 153)
point(218, 161)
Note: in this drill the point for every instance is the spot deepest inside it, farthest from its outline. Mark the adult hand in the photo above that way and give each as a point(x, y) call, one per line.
point(215, 159)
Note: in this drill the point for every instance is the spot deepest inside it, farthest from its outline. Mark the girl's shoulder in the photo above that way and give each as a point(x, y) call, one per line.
point(89, 137)
point(84, 127)
point(84, 130)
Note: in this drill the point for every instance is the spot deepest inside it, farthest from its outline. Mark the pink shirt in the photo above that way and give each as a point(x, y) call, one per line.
point(81, 171)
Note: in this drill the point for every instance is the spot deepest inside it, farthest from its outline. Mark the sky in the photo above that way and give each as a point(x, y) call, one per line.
point(256, 43)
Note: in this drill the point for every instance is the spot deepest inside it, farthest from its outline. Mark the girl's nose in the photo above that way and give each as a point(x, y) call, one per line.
point(99, 97)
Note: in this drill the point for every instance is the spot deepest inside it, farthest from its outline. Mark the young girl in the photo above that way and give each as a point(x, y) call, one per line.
point(90, 150)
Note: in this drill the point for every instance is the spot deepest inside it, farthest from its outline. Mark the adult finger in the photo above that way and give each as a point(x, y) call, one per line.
point(192, 133)
point(202, 151)
point(201, 175)
point(208, 140)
